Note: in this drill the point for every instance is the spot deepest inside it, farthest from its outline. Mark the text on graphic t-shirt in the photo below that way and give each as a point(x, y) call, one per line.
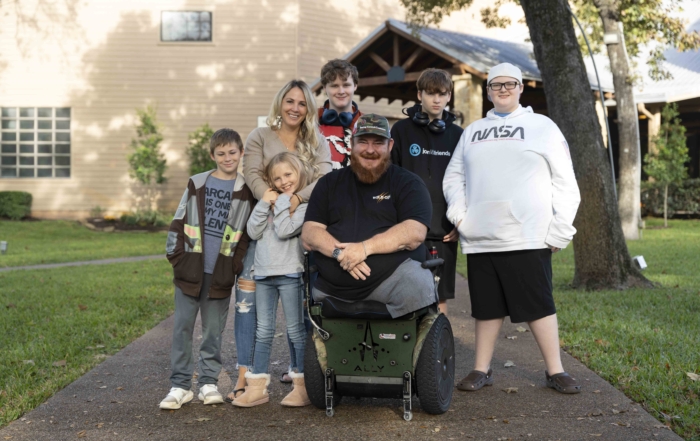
point(217, 204)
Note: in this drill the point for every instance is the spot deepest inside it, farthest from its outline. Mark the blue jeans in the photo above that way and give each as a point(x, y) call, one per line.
point(244, 326)
point(267, 293)
point(307, 321)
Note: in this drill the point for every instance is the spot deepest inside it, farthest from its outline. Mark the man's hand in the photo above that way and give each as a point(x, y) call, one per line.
point(452, 236)
point(361, 271)
point(351, 255)
point(270, 196)
point(554, 249)
point(294, 202)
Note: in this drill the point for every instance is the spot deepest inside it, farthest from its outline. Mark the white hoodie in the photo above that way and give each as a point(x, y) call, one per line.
point(510, 184)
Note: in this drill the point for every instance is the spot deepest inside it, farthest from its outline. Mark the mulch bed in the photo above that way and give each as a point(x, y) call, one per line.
point(109, 225)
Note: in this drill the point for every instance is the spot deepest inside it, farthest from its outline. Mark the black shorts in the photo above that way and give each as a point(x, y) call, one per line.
point(513, 283)
point(448, 252)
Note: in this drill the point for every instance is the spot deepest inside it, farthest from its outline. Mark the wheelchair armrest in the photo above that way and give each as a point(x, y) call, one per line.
point(432, 263)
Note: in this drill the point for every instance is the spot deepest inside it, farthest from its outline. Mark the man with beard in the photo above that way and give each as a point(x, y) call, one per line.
point(366, 225)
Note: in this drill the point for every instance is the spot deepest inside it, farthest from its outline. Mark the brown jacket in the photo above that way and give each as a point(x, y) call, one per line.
point(184, 245)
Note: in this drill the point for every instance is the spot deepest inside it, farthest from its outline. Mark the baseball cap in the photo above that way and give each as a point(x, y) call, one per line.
point(505, 70)
point(371, 124)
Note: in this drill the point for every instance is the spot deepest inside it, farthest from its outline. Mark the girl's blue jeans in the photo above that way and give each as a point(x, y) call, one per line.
point(268, 293)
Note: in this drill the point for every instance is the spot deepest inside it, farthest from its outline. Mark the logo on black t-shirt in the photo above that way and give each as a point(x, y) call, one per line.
point(414, 150)
point(382, 197)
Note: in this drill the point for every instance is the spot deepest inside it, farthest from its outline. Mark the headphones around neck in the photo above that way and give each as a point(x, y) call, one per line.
point(330, 117)
point(423, 119)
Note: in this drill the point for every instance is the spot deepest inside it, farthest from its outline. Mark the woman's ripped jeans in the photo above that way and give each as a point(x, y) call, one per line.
point(245, 324)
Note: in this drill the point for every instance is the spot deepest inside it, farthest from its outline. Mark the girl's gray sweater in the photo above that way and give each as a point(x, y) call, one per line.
point(278, 251)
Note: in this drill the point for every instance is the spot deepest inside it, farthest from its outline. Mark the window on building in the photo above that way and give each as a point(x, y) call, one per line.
point(35, 142)
point(185, 26)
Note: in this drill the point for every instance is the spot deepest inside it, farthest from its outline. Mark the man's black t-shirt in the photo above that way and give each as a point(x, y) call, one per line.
point(354, 211)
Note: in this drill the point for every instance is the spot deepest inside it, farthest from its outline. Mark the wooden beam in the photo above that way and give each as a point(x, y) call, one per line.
point(380, 61)
point(412, 59)
point(396, 50)
point(381, 80)
point(465, 68)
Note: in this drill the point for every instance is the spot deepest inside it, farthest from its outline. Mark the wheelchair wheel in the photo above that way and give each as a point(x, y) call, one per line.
point(436, 368)
point(314, 377)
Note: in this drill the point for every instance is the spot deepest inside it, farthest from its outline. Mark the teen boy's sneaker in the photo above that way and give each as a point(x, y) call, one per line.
point(209, 394)
point(176, 398)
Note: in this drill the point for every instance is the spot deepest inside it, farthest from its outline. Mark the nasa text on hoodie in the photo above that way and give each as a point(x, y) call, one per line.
point(510, 184)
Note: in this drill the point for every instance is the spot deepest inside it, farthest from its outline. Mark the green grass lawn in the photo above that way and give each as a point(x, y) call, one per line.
point(76, 316)
point(31, 243)
point(642, 341)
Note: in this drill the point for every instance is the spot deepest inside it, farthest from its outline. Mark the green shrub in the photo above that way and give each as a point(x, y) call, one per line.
point(198, 150)
point(15, 204)
point(146, 218)
point(683, 199)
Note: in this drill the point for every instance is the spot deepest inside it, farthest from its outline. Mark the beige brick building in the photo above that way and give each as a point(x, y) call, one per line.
point(72, 73)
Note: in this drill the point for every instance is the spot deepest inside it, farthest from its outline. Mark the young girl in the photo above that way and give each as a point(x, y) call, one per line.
point(279, 264)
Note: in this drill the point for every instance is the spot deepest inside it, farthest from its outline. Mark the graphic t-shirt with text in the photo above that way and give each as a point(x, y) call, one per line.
point(217, 204)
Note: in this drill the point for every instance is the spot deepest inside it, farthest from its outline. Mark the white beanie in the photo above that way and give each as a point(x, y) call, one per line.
point(505, 70)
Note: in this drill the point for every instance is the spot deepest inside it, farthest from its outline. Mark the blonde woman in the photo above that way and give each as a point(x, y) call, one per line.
point(292, 126)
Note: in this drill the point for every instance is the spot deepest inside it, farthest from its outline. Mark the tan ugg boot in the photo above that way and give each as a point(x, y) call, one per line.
point(297, 397)
point(255, 391)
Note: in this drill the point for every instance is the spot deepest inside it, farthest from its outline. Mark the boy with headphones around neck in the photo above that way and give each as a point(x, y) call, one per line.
point(424, 144)
point(339, 113)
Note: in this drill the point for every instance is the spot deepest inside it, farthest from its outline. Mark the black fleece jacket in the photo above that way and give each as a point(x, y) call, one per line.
point(427, 154)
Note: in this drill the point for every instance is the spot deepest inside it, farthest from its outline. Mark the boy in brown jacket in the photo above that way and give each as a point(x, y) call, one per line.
point(206, 245)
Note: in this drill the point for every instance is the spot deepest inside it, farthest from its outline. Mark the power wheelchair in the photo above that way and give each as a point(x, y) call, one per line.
point(357, 349)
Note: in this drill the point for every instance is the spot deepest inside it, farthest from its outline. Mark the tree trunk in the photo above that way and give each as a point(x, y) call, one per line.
point(665, 206)
point(629, 179)
point(600, 251)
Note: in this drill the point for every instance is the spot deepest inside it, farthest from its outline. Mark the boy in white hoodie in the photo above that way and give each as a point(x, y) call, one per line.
point(512, 193)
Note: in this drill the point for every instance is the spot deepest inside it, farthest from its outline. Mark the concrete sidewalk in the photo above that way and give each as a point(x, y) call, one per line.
point(83, 262)
point(118, 400)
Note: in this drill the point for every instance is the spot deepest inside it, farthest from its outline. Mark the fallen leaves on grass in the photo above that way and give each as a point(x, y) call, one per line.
point(28, 362)
point(82, 307)
point(60, 363)
point(509, 363)
point(693, 376)
point(511, 390)
point(10, 305)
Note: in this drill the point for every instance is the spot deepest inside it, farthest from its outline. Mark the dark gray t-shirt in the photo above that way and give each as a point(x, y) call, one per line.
point(217, 202)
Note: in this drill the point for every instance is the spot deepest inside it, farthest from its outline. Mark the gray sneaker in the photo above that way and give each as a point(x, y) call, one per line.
point(209, 394)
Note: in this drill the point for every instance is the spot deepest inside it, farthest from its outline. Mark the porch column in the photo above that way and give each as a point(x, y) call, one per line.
point(468, 97)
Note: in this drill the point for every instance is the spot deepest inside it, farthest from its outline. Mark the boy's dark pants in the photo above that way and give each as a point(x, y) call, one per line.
point(214, 313)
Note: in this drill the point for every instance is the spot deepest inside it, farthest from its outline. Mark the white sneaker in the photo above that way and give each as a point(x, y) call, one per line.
point(176, 398)
point(209, 394)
